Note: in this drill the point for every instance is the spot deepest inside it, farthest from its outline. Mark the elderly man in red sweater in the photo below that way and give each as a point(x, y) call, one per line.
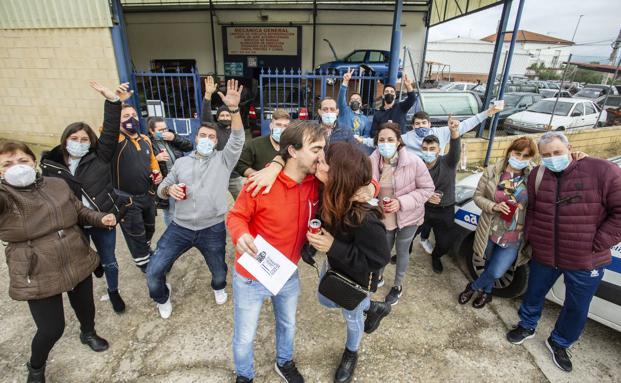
point(573, 218)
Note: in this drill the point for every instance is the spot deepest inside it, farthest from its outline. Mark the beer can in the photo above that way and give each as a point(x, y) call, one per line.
point(314, 226)
point(154, 174)
point(386, 200)
point(184, 188)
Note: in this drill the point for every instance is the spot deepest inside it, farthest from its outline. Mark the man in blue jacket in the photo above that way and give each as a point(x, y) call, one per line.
point(351, 115)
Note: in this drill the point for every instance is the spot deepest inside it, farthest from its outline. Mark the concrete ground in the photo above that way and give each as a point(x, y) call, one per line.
point(428, 337)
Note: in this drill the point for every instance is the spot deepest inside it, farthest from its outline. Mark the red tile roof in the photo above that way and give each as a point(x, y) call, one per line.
point(530, 37)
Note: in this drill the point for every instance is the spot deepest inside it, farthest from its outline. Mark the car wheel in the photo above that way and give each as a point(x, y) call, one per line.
point(511, 285)
point(560, 128)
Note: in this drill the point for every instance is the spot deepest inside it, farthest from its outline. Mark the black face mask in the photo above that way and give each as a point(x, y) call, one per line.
point(389, 98)
point(132, 125)
point(354, 105)
point(225, 123)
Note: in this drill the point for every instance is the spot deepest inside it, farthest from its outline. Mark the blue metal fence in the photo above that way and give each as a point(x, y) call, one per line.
point(299, 93)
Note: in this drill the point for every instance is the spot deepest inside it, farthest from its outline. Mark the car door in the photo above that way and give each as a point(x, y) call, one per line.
point(590, 114)
point(524, 103)
point(577, 115)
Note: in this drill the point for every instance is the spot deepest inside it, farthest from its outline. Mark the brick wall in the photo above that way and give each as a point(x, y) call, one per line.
point(44, 75)
point(602, 142)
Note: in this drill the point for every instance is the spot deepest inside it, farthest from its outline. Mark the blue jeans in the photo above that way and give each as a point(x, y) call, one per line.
point(105, 243)
point(498, 260)
point(167, 216)
point(175, 241)
point(354, 319)
point(248, 297)
point(580, 286)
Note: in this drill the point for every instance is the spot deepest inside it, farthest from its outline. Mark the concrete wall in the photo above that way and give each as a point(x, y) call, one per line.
point(187, 35)
point(44, 75)
point(602, 143)
point(546, 53)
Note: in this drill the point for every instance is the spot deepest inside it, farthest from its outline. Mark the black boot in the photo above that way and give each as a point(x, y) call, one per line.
point(376, 312)
point(35, 375)
point(117, 302)
point(345, 371)
point(436, 265)
point(94, 341)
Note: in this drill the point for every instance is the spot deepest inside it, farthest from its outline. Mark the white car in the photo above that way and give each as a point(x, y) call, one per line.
point(606, 305)
point(570, 113)
point(458, 86)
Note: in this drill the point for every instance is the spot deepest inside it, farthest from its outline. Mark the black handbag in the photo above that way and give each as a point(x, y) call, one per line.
point(341, 290)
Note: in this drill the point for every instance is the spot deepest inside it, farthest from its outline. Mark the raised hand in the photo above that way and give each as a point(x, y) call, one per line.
point(233, 94)
point(347, 76)
point(453, 125)
point(122, 91)
point(407, 82)
point(210, 87)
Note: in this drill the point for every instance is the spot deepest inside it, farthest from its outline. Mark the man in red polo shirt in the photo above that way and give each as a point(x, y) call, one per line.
point(281, 218)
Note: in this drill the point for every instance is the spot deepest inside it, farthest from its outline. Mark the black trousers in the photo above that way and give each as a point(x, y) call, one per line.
point(49, 316)
point(440, 220)
point(138, 226)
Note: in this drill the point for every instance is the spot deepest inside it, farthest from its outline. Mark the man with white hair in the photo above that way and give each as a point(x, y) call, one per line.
point(573, 218)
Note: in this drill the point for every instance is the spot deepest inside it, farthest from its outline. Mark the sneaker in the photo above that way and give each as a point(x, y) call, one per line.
point(560, 355)
point(221, 296)
point(393, 296)
point(519, 334)
point(436, 265)
point(380, 282)
point(289, 372)
point(118, 305)
point(376, 312)
point(393, 260)
point(165, 308)
point(427, 246)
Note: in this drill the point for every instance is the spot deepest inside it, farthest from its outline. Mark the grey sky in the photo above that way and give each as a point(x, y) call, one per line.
point(556, 18)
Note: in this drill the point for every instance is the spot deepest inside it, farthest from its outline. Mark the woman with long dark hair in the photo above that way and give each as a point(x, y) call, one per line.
point(84, 162)
point(354, 239)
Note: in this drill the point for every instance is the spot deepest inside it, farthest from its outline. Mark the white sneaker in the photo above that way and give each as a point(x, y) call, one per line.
point(221, 296)
point(165, 308)
point(427, 245)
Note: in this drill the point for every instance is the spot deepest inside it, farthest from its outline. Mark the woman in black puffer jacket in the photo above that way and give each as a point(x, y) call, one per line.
point(84, 162)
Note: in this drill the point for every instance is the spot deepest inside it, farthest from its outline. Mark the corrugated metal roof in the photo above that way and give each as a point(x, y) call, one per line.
point(189, 3)
point(530, 37)
point(34, 14)
point(445, 10)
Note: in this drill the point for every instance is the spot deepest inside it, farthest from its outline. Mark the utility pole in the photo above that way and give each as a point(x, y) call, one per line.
point(576, 30)
point(612, 60)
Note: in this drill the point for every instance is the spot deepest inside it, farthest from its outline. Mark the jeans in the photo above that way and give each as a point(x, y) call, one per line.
point(167, 215)
point(354, 318)
point(138, 226)
point(580, 286)
point(498, 260)
point(105, 243)
point(401, 239)
point(175, 241)
point(235, 186)
point(248, 297)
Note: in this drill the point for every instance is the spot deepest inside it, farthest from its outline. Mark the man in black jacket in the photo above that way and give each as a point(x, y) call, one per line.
point(393, 111)
point(168, 147)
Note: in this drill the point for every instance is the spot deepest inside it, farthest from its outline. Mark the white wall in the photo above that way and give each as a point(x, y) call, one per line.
point(546, 53)
point(187, 35)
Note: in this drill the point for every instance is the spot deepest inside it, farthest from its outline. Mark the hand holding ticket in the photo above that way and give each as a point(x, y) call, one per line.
point(269, 266)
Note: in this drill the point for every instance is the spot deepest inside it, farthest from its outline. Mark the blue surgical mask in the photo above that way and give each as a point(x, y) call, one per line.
point(328, 118)
point(205, 146)
point(422, 132)
point(518, 164)
point(387, 149)
point(276, 132)
point(557, 163)
point(159, 136)
point(78, 149)
point(428, 157)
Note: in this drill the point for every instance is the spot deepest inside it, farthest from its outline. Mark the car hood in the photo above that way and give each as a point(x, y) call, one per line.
point(538, 118)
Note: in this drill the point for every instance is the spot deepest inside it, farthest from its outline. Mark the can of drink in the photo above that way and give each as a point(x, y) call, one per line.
point(184, 189)
point(314, 226)
point(499, 104)
point(154, 175)
point(386, 200)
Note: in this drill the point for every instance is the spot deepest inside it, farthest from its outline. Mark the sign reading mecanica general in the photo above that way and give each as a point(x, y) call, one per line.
point(268, 41)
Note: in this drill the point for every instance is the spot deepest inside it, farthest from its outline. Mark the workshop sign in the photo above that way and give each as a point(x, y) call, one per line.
point(262, 41)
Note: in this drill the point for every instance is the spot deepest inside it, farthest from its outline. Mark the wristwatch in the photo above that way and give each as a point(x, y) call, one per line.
point(232, 111)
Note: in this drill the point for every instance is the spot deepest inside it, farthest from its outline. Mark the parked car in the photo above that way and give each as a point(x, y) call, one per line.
point(570, 113)
point(294, 99)
point(606, 305)
point(439, 104)
point(458, 86)
point(516, 102)
point(552, 93)
point(375, 60)
point(590, 93)
point(606, 88)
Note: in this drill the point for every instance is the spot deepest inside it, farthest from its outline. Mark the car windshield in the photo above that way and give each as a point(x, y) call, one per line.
point(448, 86)
point(546, 106)
point(589, 93)
point(355, 57)
point(512, 99)
point(441, 104)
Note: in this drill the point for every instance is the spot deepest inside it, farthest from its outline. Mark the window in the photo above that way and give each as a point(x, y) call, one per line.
point(589, 109)
point(356, 57)
point(470, 86)
point(376, 57)
point(546, 106)
point(441, 104)
point(578, 110)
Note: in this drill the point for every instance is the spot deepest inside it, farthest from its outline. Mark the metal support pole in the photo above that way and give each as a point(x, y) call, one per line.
point(559, 92)
point(424, 56)
point(395, 43)
point(491, 77)
point(314, 30)
point(213, 37)
point(505, 78)
point(614, 78)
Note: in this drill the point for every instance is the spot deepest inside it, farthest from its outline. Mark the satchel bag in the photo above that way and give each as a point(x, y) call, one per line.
point(341, 290)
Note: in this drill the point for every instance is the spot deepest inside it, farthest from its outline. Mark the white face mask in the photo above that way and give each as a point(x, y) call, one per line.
point(20, 175)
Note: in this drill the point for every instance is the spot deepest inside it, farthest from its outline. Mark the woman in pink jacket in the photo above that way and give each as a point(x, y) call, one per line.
point(405, 187)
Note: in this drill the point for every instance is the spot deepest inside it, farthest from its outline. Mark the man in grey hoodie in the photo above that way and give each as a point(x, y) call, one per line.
point(198, 184)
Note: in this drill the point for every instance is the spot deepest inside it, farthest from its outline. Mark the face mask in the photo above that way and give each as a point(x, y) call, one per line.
point(159, 136)
point(131, 125)
point(557, 163)
point(389, 98)
point(422, 132)
point(518, 164)
point(428, 157)
point(78, 149)
point(20, 175)
point(205, 146)
point(276, 132)
point(328, 118)
point(225, 123)
point(354, 105)
point(388, 149)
